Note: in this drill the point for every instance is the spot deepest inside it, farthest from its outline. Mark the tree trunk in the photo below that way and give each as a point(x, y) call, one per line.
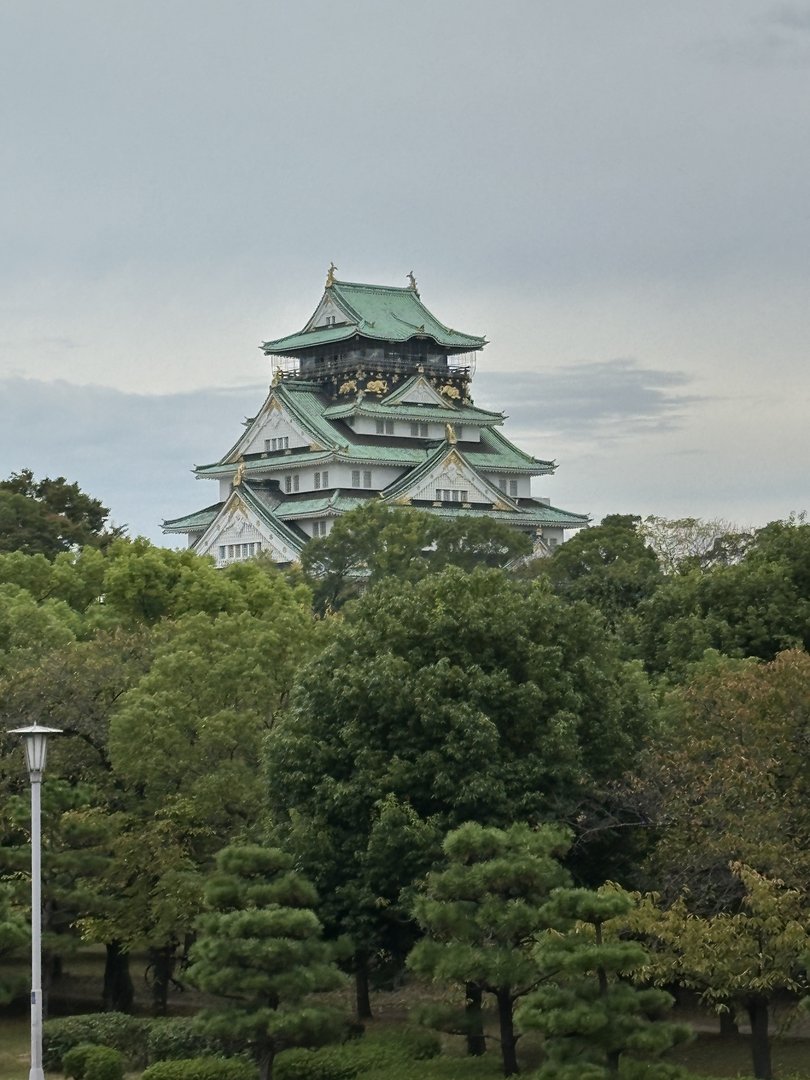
point(760, 1043)
point(118, 990)
point(507, 1026)
point(474, 1026)
point(361, 994)
point(161, 963)
point(728, 1023)
point(266, 1065)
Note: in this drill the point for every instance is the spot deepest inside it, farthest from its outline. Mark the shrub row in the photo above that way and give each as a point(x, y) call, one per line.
point(90, 1062)
point(140, 1040)
point(202, 1068)
point(357, 1057)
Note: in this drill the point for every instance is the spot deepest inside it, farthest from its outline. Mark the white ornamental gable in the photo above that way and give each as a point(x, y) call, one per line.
point(452, 474)
point(327, 313)
point(237, 533)
point(418, 391)
point(273, 422)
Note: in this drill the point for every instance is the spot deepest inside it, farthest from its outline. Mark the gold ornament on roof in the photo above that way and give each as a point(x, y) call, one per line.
point(239, 475)
point(450, 434)
point(330, 275)
point(449, 391)
point(377, 386)
point(412, 281)
point(278, 375)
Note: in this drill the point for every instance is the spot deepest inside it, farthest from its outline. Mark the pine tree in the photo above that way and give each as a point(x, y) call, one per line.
point(591, 1015)
point(483, 912)
point(260, 946)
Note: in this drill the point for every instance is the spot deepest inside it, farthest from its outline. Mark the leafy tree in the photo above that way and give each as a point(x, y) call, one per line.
point(14, 934)
point(377, 541)
point(48, 516)
point(726, 779)
point(759, 606)
point(683, 543)
point(609, 565)
point(260, 947)
point(483, 911)
point(75, 688)
point(463, 697)
point(751, 956)
point(592, 1017)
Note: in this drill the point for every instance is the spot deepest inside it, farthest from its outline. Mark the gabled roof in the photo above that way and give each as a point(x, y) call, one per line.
point(255, 501)
point(379, 312)
point(446, 452)
point(442, 413)
point(196, 522)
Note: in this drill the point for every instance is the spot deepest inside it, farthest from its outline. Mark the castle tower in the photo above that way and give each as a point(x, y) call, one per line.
point(371, 399)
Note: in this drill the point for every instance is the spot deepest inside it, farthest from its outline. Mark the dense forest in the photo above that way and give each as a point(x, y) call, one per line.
point(560, 788)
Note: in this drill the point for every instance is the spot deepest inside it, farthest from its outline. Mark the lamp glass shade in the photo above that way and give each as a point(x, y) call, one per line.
point(36, 746)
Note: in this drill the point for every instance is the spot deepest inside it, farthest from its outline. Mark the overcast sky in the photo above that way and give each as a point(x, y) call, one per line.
point(616, 194)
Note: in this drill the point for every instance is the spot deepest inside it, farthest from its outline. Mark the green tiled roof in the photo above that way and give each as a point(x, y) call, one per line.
point(198, 521)
point(379, 312)
point(460, 414)
point(337, 503)
point(536, 514)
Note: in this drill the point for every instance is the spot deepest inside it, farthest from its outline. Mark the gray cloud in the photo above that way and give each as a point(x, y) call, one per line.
point(133, 451)
point(616, 398)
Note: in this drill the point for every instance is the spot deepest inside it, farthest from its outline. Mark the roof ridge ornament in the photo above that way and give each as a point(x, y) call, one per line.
point(330, 275)
point(412, 282)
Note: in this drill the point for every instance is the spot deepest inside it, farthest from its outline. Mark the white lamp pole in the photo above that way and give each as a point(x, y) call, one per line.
point(36, 747)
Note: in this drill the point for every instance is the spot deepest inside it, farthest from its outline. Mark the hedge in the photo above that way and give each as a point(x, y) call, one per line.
point(357, 1057)
point(116, 1030)
point(170, 1038)
point(202, 1068)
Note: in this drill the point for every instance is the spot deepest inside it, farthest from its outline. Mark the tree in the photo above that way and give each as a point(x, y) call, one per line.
point(590, 1014)
point(750, 956)
point(483, 911)
point(14, 934)
point(758, 606)
point(377, 541)
point(725, 780)
point(48, 516)
point(463, 697)
point(609, 565)
point(260, 946)
point(693, 542)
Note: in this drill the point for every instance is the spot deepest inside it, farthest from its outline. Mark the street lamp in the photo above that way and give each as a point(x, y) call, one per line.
point(36, 747)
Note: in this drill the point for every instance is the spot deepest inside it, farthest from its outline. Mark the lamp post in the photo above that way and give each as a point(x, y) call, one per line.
point(36, 747)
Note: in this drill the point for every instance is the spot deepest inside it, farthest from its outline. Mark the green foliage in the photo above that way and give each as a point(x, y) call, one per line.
point(461, 697)
point(483, 912)
point(378, 1053)
point(103, 1063)
point(749, 957)
point(756, 606)
point(592, 1017)
point(74, 1061)
point(201, 1068)
point(170, 1038)
point(609, 565)
point(14, 934)
point(727, 779)
point(260, 947)
point(48, 516)
point(439, 1068)
point(377, 541)
point(116, 1030)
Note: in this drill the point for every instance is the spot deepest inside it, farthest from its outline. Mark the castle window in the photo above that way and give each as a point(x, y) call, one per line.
point(456, 495)
point(319, 528)
point(321, 479)
point(281, 443)
point(355, 478)
point(419, 430)
point(291, 483)
point(367, 479)
point(385, 427)
point(513, 487)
